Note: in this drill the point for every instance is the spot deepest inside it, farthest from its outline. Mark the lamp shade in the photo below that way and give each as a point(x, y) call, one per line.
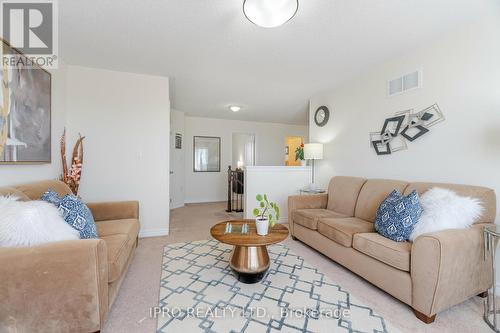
point(313, 151)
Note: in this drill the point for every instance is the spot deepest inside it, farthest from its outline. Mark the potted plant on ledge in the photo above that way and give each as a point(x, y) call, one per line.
point(299, 155)
point(266, 215)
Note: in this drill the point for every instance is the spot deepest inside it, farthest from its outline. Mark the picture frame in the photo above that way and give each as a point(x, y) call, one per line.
point(178, 141)
point(206, 153)
point(25, 112)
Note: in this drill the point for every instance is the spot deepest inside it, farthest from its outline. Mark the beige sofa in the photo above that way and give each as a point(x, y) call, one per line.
point(67, 286)
point(433, 273)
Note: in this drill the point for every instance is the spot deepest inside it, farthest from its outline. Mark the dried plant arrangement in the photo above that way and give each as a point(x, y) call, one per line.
point(73, 175)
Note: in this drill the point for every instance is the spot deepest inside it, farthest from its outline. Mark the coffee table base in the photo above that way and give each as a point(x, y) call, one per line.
point(249, 278)
point(249, 263)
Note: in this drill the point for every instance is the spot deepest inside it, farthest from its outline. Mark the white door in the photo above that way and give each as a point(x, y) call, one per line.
point(172, 178)
point(243, 149)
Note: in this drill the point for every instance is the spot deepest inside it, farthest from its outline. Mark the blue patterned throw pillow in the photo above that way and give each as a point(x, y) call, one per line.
point(74, 212)
point(52, 197)
point(78, 215)
point(397, 216)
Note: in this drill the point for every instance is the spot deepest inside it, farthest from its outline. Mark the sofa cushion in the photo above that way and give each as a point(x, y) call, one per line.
point(119, 249)
point(341, 230)
point(343, 193)
point(309, 217)
point(372, 194)
point(129, 227)
point(120, 237)
point(483, 194)
point(395, 254)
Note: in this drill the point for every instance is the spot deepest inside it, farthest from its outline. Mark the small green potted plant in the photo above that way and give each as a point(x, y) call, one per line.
point(266, 215)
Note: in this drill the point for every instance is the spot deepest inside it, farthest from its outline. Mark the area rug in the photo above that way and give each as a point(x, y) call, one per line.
point(199, 293)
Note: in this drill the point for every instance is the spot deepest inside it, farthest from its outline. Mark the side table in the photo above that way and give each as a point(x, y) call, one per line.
point(306, 191)
point(491, 310)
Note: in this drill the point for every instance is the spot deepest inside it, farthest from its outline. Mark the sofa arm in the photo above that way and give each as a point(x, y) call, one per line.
point(118, 210)
point(448, 267)
point(55, 287)
point(318, 201)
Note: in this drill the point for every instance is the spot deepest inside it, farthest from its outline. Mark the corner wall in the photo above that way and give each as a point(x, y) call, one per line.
point(461, 72)
point(125, 118)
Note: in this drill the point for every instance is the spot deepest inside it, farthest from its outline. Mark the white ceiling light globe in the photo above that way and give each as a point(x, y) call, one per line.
point(270, 13)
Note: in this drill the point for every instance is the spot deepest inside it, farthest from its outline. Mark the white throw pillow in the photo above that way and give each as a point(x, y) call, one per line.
point(28, 223)
point(444, 209)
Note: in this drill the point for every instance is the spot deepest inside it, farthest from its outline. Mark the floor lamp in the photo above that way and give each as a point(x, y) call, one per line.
point(313, 151)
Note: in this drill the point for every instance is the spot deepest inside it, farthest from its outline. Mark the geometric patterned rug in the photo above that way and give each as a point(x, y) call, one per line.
point(199, 293)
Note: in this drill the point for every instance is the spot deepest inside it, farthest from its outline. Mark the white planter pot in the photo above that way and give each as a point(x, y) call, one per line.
point(303, 162)
point(262, 226)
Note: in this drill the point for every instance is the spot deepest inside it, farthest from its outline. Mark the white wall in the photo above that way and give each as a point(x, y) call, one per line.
point(125, 118)
point(277, 182)
point(269, 148)
point(177, 159)
point(16, 174)
point(461, 72)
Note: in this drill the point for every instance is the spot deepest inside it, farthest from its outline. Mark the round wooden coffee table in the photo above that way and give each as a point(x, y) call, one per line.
point(249, 259)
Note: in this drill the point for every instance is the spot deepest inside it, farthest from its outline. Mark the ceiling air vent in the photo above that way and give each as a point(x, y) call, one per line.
point(404, 83)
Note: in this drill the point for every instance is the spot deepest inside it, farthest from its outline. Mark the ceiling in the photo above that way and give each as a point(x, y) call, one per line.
point(215, 57)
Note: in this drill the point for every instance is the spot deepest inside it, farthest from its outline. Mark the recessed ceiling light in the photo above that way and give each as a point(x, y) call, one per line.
point(270, 13)
point(235, 108)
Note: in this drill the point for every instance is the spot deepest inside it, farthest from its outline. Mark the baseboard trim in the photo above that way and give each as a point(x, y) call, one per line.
point(178, 205)
point(153, 233)
point(187, 202)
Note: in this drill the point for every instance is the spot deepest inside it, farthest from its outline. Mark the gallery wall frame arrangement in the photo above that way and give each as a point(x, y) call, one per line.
point(25, 110)
point(404, 126)
point(206, 153)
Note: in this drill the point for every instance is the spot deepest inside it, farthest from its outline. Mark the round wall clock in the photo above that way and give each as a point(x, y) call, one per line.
point(321, 116)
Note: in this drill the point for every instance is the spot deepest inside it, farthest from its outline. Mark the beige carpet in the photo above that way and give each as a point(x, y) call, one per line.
point(139, 291)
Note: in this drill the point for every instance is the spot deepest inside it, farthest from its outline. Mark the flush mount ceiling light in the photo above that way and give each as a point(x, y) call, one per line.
point(235, 108)
point(270, 13)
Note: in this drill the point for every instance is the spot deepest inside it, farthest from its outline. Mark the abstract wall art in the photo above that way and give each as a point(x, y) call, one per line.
point(25, 107)
point(404, 126)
